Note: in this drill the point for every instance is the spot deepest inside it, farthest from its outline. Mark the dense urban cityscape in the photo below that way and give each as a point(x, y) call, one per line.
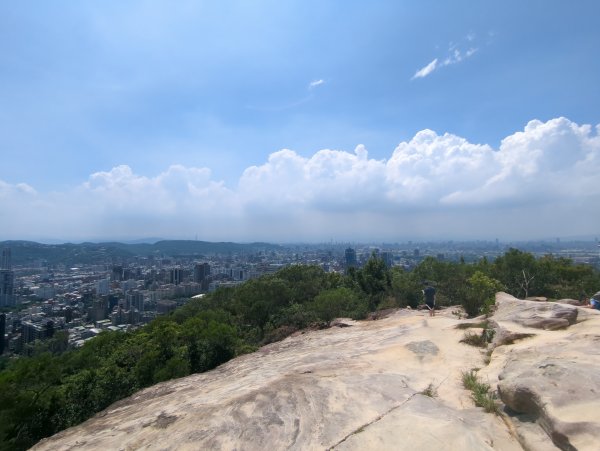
point(40, 298)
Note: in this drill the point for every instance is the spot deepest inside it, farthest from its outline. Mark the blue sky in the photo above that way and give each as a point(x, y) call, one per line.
point(110, 103)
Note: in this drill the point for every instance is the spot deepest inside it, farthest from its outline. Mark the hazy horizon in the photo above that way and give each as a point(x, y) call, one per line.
point(562, 240)
point(299, 121)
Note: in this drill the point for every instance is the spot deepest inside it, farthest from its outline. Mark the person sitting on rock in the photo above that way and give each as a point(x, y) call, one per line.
point(429, 294)
point(594, 302)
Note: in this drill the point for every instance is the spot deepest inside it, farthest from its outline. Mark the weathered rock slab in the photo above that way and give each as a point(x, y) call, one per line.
point(360, 387)
point(535, 314)
point(552, 376)
point(310, 391)
point(423, 423)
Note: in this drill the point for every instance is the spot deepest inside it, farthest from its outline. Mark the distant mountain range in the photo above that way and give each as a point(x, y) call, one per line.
point(29, 252)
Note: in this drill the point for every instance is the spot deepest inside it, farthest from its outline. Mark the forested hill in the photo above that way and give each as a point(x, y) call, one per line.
point(28, 252)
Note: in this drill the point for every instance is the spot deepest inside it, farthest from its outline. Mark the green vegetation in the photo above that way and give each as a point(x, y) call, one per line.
point(54, 388)
point(477, 325)
point(430, 391)
point(480, 393)
point(480, 340)
point(479, 293)
point(511, 339)
point(554, 278)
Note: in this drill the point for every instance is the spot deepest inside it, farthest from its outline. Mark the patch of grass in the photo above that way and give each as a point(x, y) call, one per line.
point(479, 340)
point(488, 357)
point(488, 335)
point(515, 337)
point(430, 391)
point(480, 392)
point(459, 313)
point(469, 380)
point(473, 339)
point(479, 325)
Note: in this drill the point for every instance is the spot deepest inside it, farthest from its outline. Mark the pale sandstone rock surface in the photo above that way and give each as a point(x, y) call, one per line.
point(550, 379)
point(359, 387)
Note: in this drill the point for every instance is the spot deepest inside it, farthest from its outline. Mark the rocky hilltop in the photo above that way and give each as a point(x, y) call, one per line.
point(395, 383)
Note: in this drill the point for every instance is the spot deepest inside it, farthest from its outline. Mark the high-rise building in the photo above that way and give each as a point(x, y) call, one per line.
point(201, 272)
point(99, 309)
point(387, 258)
point(103, 287)
point(129, 284)
point(135, 300)
point(176, 276)
point(350, 258)
point(32, 330)
point(117, 273)
point(118, 317)
point(7, 280)
point(6, 263)
point(2, 331)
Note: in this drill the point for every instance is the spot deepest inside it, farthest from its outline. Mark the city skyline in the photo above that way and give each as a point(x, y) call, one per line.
point(299, 121)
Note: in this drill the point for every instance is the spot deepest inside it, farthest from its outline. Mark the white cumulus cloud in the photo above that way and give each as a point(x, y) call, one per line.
point(540, 181)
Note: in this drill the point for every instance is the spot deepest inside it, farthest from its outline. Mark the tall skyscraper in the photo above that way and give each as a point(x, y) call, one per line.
point(176, 276)
point(103, 287)
point(99, 309)
point(117, 273)
point(2, 331)
point(7, 280)
point(201, 272)
point(350, 258)
point(135, 300)
point(5, 262)
point(387, 258)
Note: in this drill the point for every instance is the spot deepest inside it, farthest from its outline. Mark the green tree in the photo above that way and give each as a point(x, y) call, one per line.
point(307, 281)
point(331, 304)
point(449, 278)
point(406, 288)
point(258, 301)
point(517, 271)
point(480, 293)
point(29, 399)
point(209, 342)
point(296, 315)
point(373, 279)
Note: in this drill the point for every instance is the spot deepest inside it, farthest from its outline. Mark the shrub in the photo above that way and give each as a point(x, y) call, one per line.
point(480, 293)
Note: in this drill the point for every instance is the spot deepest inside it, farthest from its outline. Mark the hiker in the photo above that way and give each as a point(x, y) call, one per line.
point(594, 302)
point(429, 294)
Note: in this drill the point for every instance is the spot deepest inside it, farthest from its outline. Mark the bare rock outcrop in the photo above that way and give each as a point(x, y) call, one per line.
point(536, 314)
point(338, 388)
point(551, 378)
point(394, 383)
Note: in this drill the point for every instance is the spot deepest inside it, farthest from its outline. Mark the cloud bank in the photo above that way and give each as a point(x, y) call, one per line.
point(541, 181)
